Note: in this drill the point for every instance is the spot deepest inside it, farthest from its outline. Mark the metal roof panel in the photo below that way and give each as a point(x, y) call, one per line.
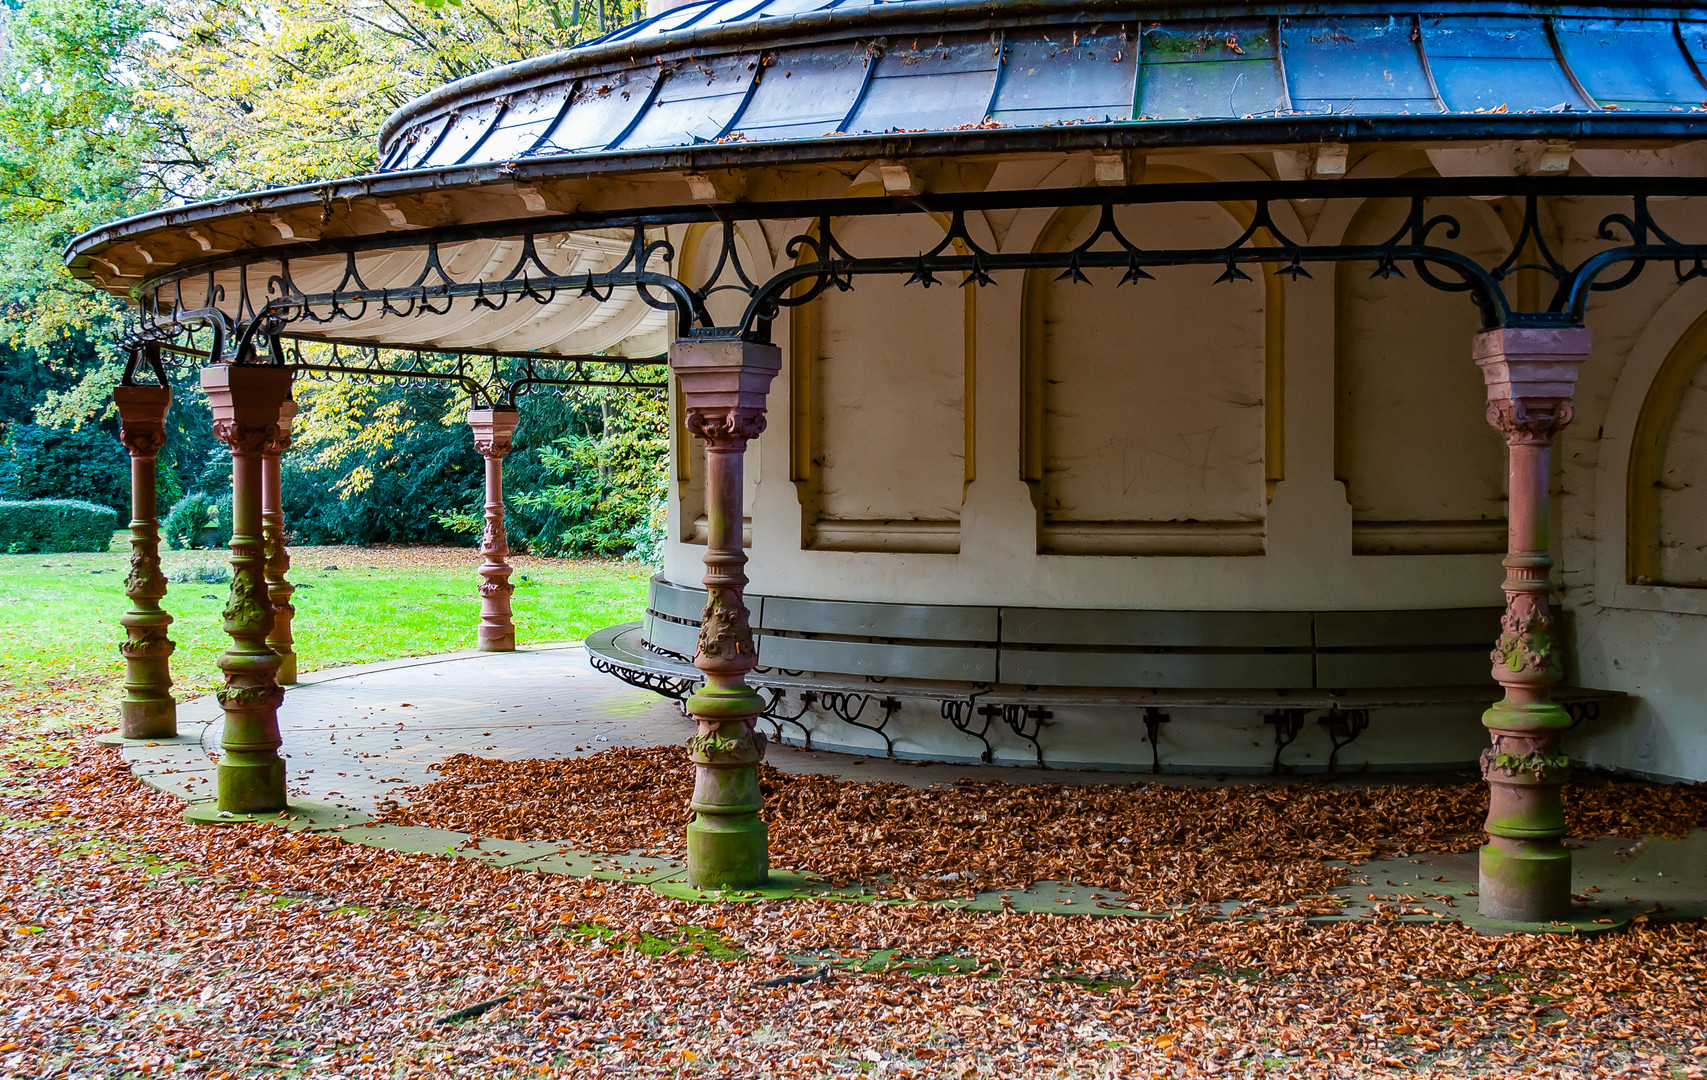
point(1363, 64)
point(1052, 78)
point(695, 103)
point(929, 84)
point(1630, 63)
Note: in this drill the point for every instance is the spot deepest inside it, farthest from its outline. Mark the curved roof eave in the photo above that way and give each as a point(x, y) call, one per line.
point(344, 198)
point(630, 44)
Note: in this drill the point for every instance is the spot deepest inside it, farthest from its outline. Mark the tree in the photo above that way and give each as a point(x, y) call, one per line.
point(114, 108)
point(75, 150)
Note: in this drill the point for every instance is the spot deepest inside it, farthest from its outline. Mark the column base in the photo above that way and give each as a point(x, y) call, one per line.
point(728, 853)
point(209, 813)
point(286, 673)
point(148, 719)
point(1525, 881)
point(257, 788)
point(496, 642)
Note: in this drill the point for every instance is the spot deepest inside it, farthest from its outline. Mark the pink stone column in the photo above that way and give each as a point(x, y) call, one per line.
point(1525, 868)
point(494, 430)
point(148, 711)
point(277, 555)
point(723, 386)
point(246, 401)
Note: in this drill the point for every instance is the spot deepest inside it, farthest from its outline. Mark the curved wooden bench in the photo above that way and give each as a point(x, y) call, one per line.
point(985, 665)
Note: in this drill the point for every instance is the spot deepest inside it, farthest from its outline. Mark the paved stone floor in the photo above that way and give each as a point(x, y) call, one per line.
point(357, 736)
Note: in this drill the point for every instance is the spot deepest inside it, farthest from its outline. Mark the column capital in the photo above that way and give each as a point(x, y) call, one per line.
point(142, 417)
point(494, 430)
point(248, 404)
point(1531, 374)
point(287, 416)
point(724, 385)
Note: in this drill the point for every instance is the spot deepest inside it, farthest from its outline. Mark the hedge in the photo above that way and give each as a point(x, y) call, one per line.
point(56, 525)
point(198, 521)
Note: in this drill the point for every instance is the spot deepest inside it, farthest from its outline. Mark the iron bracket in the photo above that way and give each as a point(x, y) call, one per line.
point(1026, 721)
point(1287, 725)
point(1154, 718)
point(773, 712)
point(1344, 726)
point(1581, 712)
point(849, 707)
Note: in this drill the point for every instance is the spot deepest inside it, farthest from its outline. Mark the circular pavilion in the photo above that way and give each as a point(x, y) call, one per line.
point(1169, 387)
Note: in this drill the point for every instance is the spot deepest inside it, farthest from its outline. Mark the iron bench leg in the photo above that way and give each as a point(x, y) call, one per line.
point(1287, 724)
point(1154, 718)
point(1344, 726)
point(959, 712)
point(850, 707)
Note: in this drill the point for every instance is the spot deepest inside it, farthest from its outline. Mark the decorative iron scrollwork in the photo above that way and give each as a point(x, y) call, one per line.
point(849, 707)
point(818, 260)
point(1343, 727)
point(1287, 724)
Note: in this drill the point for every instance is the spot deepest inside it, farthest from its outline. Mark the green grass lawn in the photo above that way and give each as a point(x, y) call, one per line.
point(59, 629)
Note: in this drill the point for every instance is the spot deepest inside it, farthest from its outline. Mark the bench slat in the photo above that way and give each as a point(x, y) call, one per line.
point(1180, 629)
point(954, 663)
point(1397, 629)
point(670, 599)
point(1467, 667)
point(672, 636)
point(926, 622)
point(1269, 671)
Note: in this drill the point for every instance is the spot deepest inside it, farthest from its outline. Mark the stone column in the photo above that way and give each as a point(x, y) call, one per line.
point(493, 431)
point(276, 554)
point(246, 401)
point(723, 386)
point(148, 711)
point(1525, 868)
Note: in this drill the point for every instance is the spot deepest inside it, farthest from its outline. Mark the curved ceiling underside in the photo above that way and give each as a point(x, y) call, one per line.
point(732, 101)
point(559, 322)
point(848, 78)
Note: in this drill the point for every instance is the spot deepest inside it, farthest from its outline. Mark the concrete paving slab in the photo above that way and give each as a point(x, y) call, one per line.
point(356, 738)
point(191, 785)
point(412, 839)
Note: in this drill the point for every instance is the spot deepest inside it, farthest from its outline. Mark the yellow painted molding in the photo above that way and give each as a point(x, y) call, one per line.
point(1648, 448)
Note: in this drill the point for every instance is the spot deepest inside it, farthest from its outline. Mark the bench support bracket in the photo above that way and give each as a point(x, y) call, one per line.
point(1154, 718)
point(1344, 726)
point(1288, 723)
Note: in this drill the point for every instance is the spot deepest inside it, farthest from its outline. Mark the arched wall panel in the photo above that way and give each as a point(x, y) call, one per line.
point(1668, 471)
point(881, 412)
point(1150, 400)
point(1424, 470)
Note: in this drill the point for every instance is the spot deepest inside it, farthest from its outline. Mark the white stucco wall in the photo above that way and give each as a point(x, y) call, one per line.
point(1384, 398)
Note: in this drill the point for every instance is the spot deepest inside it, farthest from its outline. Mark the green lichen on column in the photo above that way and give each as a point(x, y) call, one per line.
point(148, 710)
point(723, 384)
point(246, 402)
point(1525, 866)
point(274, 551)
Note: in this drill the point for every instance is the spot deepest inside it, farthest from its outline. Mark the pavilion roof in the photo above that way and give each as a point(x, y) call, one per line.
point(768, 73)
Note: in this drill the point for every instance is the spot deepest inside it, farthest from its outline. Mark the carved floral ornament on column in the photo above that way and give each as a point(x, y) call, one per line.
point(251, 438)
point(726, 427)
point(1530, 422)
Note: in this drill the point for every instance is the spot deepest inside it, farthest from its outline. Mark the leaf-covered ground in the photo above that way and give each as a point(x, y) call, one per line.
point(1164, 845)
point(136, 945)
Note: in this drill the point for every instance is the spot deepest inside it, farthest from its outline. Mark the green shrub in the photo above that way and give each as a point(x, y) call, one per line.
point(56, 525)
point(88, 465)
point(198, 521)
point(205, 574)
